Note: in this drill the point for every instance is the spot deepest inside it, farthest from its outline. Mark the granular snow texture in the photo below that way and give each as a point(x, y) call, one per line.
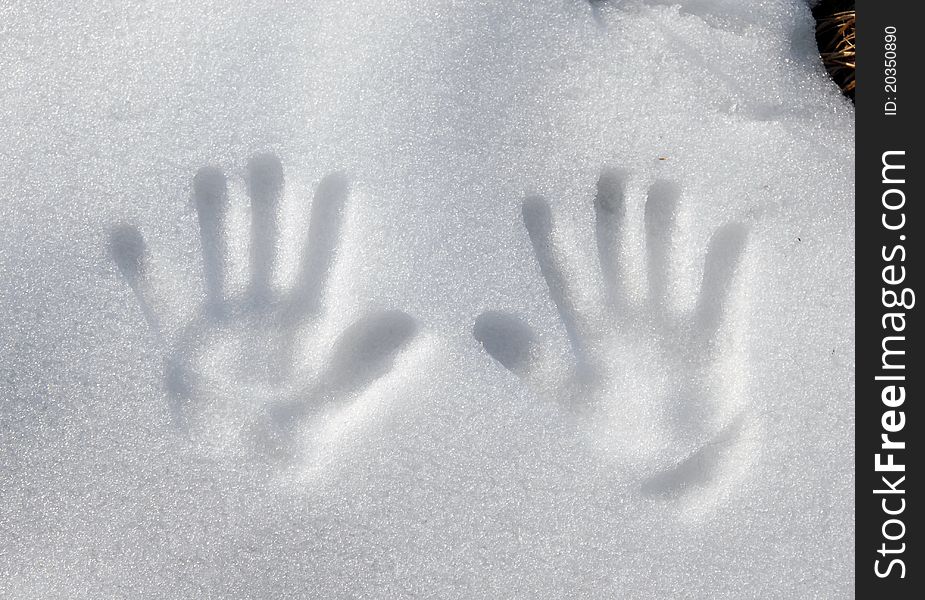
point(424, 299)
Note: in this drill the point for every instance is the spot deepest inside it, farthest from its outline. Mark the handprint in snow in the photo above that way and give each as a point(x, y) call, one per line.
point(234, 366)
point(645, 374)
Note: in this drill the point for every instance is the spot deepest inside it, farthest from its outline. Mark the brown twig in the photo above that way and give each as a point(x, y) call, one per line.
point(835, 34)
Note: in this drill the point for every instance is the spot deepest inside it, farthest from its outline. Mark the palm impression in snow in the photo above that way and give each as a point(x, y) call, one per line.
point(233, 371)
point(662, 408)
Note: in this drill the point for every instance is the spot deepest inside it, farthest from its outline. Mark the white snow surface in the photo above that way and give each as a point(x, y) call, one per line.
point(576, 317)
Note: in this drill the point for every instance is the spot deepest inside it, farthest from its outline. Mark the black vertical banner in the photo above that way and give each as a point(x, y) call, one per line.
point(890, 371)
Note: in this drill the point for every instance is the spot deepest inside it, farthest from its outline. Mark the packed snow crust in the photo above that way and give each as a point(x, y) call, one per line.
point(442, 299)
